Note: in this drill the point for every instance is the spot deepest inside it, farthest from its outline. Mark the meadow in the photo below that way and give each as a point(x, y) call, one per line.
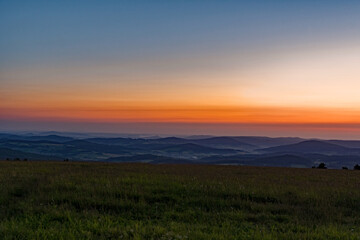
point(91, 200)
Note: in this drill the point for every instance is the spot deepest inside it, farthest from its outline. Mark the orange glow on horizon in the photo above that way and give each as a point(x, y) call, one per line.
point(301, 87)
point(184, 114)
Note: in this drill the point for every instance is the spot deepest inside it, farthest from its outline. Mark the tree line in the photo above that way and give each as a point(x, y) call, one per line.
point(323, 166)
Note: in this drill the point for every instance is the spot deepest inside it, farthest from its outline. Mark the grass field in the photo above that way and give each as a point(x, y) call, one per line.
point(77, 200)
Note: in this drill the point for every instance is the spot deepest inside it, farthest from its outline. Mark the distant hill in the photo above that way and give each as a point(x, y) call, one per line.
point(227, 158)
point(241, 143)
point(194, 148)
point(7, 136)
point(85, 145)
point(312, 146)
point(264, 142)
point(148, 158)
point(226, 142)
point(115, 141)
point(172, 140)
point(346, 143)
point(12, 154)
point(53, 138)
point(241, 150)
point(217, 142)
point(198, 136)
point(75, 150)
point(17, 142)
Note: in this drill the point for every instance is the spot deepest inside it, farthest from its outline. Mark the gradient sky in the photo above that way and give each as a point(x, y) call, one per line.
point(277, 68)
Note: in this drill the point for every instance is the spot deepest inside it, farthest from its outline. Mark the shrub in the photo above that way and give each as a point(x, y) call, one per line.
point(322, 166)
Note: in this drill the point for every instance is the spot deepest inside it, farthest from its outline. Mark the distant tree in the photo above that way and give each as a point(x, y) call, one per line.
point(313, 167)
point(322, 166)
point(25, 159)
point(17, 159)
point(66, 160)
point(7, 159)
point(345, 168)
point(357, 167)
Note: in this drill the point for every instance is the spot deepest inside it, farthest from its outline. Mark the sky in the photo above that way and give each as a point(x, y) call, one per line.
point(275, 68)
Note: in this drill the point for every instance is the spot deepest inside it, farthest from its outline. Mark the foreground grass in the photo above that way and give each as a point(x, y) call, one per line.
point(56, 200)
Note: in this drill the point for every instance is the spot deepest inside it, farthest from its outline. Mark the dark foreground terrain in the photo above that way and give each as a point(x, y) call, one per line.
point(80, 200)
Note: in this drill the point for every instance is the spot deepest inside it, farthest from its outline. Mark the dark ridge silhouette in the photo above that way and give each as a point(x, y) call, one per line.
point(7, 141)
point(172, 140)
point(9, 154)
point(85, 145)
point(115, 141)
point(195, 148)
point(312, 146)
point(52, 138)
point(209, 150)
point(226, 158)
point(223, 141)
point(219, 142)
point(346, 143)
point(264, 142)
point(149, 158)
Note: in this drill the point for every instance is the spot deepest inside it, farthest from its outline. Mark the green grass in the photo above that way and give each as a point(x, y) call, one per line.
point(75, 200)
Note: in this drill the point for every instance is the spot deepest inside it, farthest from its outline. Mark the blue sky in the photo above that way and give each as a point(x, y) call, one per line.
point(45, 32)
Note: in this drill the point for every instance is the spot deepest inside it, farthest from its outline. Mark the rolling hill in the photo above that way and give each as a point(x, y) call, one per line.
point(7, 153)
point(147, 158)
point(88, 146)
point(311, 146)
point(224, 142)
point(53, 138)
point(195, 148)
point(265, 142)
point(242, 150)
point(346, 143)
